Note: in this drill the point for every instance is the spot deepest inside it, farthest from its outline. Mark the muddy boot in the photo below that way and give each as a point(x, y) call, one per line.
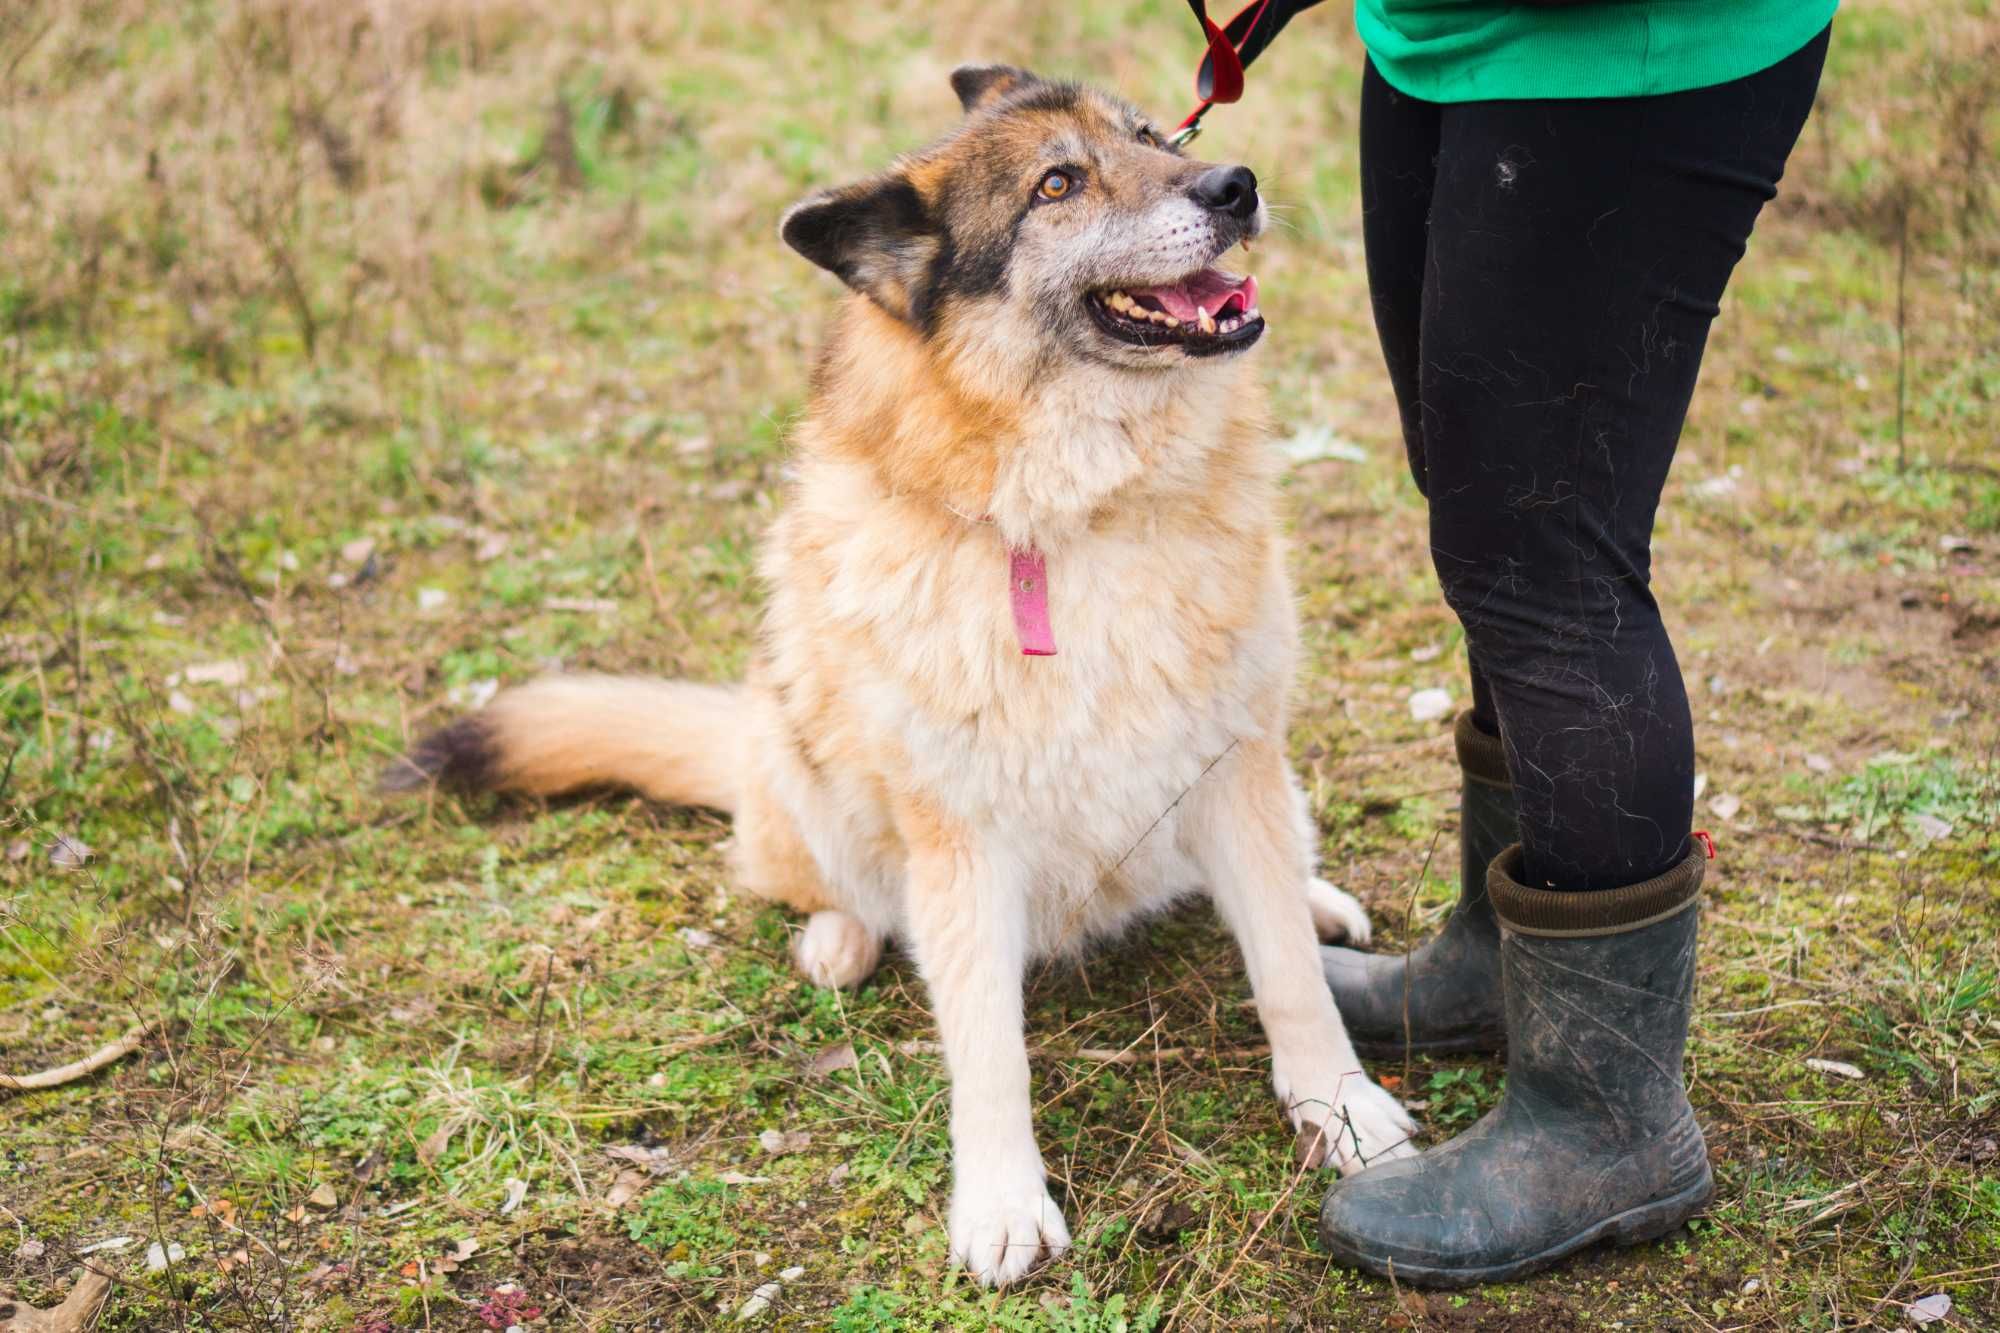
point(1593, 1138)
point(1449, 986)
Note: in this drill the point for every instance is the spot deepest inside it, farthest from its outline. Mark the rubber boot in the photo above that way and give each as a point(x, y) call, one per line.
point(1593, 1138)
point(1443, 996)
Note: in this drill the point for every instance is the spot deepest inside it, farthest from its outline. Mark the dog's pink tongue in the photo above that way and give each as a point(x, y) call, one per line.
point(1211, 290)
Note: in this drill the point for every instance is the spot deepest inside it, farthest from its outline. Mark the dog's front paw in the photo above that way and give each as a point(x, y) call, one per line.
point(1352, 1124)
point(1000, 1229)
point(1337, 914)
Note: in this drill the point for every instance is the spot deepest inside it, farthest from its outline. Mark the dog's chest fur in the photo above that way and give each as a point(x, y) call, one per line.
point(891, 632)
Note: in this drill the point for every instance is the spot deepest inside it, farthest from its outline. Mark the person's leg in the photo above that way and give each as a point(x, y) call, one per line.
point(1577, 254)
point(1445, 994)
point(1399, 149)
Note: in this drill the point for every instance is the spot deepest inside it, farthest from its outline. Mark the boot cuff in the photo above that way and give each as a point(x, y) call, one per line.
point(1605, 912)
point(1483, 757)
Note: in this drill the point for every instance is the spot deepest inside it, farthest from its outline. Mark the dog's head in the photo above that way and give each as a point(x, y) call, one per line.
point(1055, 222)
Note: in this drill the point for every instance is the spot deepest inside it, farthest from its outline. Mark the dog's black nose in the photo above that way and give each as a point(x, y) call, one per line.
point(1231, 190)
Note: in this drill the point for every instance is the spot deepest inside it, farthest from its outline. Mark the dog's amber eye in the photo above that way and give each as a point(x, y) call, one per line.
point(1055, 185)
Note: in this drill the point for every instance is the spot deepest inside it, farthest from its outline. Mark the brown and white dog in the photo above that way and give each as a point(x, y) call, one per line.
point(1023, 672)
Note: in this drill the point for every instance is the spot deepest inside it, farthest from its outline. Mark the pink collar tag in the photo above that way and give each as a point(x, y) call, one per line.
point(1028, 588)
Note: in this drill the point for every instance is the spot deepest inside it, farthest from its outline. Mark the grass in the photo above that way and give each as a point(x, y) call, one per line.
point(354, 360)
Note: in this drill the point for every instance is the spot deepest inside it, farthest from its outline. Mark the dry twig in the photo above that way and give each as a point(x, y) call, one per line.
point(76, 1069)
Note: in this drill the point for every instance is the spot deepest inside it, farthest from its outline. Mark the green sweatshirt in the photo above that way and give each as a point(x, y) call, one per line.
point(1486, 50)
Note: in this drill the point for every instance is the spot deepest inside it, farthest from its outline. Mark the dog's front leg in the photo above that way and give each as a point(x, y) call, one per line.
point(1248, 832)
point(967, 912)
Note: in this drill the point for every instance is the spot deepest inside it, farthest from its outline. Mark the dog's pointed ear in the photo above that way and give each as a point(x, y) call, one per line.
point(877, 236)
point(980, 85)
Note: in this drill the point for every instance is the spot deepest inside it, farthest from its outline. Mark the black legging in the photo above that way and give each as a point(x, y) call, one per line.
point(1544, 274)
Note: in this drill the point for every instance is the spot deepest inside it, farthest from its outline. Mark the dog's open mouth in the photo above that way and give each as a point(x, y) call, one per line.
point(1204, 313)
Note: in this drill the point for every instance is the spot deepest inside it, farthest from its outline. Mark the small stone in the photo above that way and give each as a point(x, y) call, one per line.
point(760, 1301)
point(323, 1198)
point(432, 599)
point(1429, 705)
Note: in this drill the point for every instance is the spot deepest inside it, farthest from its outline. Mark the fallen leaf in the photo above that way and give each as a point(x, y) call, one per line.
point(1930, 1309)
point(833, 1059)
point(780, 1142)
point(69, 853)
point(1165, 1220)
point(451, 1262)
point(233, 1260)
point(323, 1197)
point(30, 1250)
point(626, 1187)
point(1837, 1067)
point(656, 1161)
point(1931, 827)
point(738, 1178)
point(1725, 806)
point(158, 1256)
point(517, 1192)
point(436, 1144)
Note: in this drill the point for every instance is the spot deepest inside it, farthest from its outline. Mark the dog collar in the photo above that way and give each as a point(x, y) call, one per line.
point(1027, 593)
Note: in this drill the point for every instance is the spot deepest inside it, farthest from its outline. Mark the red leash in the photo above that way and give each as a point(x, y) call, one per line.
point(1231, 48)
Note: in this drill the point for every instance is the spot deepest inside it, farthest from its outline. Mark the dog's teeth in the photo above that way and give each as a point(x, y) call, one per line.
point(1172, 323)
point(1204, 319)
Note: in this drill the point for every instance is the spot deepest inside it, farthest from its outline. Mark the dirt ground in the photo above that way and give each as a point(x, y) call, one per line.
point(356, 359)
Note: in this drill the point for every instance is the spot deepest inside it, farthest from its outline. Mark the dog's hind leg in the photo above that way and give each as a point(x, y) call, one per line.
point(771, 860)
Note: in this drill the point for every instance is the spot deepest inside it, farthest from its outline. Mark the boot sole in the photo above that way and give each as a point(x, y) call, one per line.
point(1634, 1226)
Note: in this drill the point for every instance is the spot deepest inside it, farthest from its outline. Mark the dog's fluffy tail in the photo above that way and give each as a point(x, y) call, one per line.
point(671, 741)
